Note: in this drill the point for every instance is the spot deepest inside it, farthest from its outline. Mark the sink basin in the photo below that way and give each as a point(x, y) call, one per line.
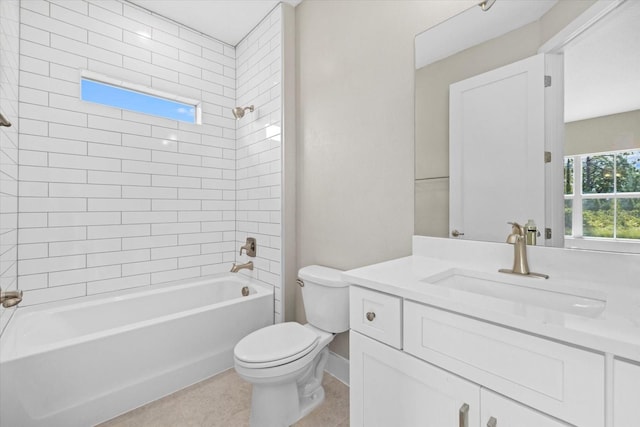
point(537, 292)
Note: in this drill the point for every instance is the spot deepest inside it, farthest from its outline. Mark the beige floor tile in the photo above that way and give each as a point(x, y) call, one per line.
point(240, 419)
point(224, 401)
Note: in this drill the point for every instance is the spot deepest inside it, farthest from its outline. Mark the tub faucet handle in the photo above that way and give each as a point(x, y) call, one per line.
point(11, 298)
point(249, 247)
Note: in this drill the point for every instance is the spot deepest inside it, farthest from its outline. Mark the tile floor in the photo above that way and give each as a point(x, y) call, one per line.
point(224, 401)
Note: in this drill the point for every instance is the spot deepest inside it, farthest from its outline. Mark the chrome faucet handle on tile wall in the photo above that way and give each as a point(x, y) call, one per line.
point(4, 121)
point(10, 298)
point(249, 247)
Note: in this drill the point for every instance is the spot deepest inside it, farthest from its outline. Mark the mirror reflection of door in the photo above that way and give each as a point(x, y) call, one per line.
point(480, 42)
point(497, 144)
point(592, 36)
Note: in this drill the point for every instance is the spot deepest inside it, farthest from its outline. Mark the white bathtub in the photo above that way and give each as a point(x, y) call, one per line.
point(84, 361)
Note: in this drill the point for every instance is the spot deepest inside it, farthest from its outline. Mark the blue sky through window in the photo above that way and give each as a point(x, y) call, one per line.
point(127, 99)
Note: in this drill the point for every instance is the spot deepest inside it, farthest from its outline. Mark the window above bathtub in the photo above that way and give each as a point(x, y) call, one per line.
point(130, 96)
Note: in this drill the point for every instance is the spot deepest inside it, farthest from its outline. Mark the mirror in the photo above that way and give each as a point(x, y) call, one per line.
point(511, 31)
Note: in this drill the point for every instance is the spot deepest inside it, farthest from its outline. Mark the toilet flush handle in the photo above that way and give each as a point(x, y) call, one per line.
point(300, 282)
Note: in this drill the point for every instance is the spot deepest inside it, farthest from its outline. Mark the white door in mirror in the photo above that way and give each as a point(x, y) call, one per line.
point(497, 144)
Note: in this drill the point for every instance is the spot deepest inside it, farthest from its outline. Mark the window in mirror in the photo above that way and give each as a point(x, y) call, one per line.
point(598, 218)
point(568, 175)
point(598, 174)
point(628, 218)
point(568, 217)
point(568, 191)
point(607, 202)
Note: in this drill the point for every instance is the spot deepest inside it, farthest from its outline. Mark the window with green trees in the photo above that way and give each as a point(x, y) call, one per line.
point(602, 195)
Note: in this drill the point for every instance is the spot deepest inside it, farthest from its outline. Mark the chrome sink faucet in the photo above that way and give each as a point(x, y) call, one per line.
point(238, 267)
point(520, 265)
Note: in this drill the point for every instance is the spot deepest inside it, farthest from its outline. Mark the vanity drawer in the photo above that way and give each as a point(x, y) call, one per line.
point(376, 315)
point(563, 381)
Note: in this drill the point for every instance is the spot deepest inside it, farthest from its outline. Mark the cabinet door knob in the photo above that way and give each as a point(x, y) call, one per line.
point(370, 316)
point(492, 422)
point(463, 416)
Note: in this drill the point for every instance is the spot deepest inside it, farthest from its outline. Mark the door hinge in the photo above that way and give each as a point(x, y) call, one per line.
point(547, 233)
point(547, 156)
point(547, 81)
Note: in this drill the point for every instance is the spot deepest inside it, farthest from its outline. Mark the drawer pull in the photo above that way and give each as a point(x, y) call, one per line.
point(492, 422)
point(370, 316)
point(463, 416)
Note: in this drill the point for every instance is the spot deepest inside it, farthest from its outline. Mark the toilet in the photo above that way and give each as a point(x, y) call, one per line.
point(285, 362)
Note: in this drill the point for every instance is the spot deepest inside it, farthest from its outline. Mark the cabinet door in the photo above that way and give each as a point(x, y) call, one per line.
point(505, 413)
point(391, 388)
point(557, 379)
point(626, 393)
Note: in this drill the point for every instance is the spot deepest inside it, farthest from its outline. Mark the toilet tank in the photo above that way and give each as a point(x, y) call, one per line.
point(325, 297)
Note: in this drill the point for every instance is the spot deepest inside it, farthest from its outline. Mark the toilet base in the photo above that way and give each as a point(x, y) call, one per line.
point(283, 403)
point(308, 404)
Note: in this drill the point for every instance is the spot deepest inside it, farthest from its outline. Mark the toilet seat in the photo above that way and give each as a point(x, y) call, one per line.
point(275, 345)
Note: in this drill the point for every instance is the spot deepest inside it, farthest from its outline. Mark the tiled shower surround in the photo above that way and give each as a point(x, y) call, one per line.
point(110, 199)
point(258, 154)
point(9, 46)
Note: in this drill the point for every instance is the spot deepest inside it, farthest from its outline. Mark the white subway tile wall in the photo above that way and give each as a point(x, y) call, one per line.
point(258, 156)
point(9, 72)
point(112, 199)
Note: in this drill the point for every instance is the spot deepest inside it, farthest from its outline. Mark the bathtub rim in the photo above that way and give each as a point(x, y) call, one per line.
point(10, 353)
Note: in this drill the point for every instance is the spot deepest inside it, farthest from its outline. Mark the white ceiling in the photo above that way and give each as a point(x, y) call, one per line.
point(475, 26)
point(225, 20)
point(602, 65)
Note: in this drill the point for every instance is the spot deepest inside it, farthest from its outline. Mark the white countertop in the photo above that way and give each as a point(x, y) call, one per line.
point(616, 330)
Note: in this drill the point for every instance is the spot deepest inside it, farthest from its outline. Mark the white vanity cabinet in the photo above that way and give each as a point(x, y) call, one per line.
point(376, 315)
point(498, 411)
point(554, 378)
point(392, 388)
point(455, 371)
point(626, 393)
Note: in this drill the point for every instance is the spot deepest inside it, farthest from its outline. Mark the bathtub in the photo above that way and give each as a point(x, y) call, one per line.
point(84, 361)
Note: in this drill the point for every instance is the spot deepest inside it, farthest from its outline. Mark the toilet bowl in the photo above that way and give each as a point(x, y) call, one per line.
point(285, 362)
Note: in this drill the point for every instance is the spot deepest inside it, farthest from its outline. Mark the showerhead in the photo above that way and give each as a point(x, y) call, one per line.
point(238, 112)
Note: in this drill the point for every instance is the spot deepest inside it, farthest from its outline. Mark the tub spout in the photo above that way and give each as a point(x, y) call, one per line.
point(11, 298)
point(238, 267)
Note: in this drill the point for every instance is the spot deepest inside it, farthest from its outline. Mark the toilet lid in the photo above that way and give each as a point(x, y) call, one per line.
point(276, 343)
